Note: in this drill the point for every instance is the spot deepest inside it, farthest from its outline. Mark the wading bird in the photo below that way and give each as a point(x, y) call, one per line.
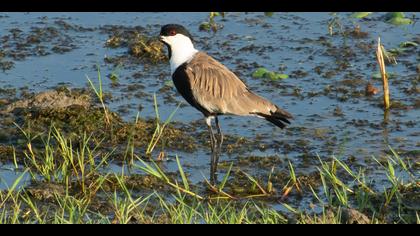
point(212, 88)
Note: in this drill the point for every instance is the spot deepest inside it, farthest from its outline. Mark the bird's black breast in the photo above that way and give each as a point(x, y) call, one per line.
point(183, 85)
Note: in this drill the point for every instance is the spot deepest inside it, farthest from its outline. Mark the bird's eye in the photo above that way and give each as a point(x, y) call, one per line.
point(172, 32)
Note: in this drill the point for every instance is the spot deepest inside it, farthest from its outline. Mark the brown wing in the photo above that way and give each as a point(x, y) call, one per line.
point(219, 91)
point(213, 78)
point(212, 84)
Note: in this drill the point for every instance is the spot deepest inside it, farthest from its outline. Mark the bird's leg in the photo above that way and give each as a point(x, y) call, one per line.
point(219, 141)
point(213, 152)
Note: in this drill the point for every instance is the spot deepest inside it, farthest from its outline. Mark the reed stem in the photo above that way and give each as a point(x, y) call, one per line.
point(380, 57)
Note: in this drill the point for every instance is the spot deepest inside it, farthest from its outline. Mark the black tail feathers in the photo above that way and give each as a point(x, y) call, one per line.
point(280, 122)
point(278, 118)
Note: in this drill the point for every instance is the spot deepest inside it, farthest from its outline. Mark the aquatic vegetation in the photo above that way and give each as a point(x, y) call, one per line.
point(100, 95)
point(269, 14)
point(138, 44)
point(80, 193)
point(275, 76)
point(150, 48)
point(211, 24)
point(380, 57)
point(389, 75)
point(6, 65)
point(259, 73)
point(398, 18)
point(159, 131)
point(395, 18)
point(69, 185)
point(264, 73)
point(408, 44)
point(19, 44)
point(360, 15)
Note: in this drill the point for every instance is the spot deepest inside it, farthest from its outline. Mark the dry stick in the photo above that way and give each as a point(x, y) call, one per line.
point(380, 57)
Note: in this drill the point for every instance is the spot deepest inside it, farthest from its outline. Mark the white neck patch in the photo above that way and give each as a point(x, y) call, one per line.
point(182, 50)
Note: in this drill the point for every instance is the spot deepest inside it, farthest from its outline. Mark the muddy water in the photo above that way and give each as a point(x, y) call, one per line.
point(324, 91)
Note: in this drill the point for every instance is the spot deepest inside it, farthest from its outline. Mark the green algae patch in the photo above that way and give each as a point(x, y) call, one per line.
point(360, 15)
point(259, 73)
point(271, 75)
point(398, 18)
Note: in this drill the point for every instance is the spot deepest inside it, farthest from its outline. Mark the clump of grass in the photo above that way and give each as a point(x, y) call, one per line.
point(159, 128)
point(60, 161)
point(292, 183)
point(100, 95)
point(359, 194)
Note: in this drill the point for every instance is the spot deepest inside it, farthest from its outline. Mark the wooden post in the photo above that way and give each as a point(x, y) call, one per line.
point(380, 57)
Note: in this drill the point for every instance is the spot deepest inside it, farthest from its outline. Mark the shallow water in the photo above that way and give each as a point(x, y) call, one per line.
point(286, 40)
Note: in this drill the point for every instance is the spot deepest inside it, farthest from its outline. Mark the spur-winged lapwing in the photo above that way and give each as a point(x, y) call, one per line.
point(212, 88)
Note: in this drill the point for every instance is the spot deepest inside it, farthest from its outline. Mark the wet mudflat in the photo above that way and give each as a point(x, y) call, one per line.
point(341, 151)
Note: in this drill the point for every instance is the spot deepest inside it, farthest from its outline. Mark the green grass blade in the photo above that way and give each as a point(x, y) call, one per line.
point(225, 178)
point(181, 171)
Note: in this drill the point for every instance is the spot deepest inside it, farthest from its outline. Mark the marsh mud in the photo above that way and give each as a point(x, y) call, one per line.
point(46, 58)
point(75, 113)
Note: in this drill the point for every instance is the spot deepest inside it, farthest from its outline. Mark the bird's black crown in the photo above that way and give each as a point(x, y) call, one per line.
point(173, 29)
